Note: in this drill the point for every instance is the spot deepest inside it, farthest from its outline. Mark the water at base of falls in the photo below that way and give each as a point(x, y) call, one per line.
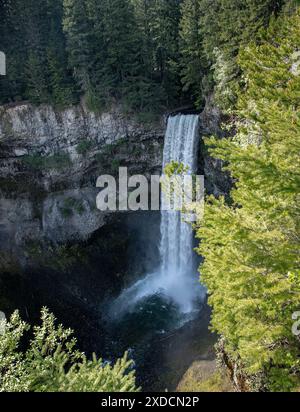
point(183, 292)
point(176, 281)
point(161, 341)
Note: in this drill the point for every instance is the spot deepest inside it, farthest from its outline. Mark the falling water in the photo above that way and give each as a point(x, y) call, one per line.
point(178, 266)
point(177, 278)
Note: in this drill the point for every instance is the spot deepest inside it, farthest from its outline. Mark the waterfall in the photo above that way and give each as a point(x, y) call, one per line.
point(176, 249)
point(176, 279)
point(181, 144)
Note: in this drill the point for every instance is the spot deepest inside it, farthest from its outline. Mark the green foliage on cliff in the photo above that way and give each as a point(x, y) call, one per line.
point(251, 247)
point(83, 147)
point(56, 161)
point(49, 362)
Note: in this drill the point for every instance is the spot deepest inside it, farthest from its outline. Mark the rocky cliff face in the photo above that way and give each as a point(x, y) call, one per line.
point(217, 182)
point(49, 163)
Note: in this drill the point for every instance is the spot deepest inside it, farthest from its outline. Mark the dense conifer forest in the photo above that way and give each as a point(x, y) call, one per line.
point(146, 54)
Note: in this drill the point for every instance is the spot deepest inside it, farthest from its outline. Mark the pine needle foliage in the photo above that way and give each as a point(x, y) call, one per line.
point(50, 362)
point(251, 247)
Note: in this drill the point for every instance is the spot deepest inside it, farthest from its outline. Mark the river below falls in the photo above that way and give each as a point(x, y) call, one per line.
point(162, 343)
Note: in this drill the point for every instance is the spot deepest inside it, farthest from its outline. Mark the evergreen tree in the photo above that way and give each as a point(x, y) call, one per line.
point(79, 42)
point(228, 25)
point(50, 361)
point(121, 43)
point(192, 62)
point(37, 86)
point(159, 24)
point(61, 81)
point(151, 90)
point(251, 248)
point(34, 44)
point(12, 43)
point(112, 69)
point(36, 32)
point(165, 21)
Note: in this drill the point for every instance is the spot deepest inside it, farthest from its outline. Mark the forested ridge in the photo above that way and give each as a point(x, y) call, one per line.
point(147, 55)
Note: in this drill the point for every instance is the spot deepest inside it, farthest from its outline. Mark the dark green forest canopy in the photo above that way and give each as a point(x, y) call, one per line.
point(145, 54)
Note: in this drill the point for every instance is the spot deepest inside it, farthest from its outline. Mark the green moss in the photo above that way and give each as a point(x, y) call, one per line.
point(147, 118)
point(61, 258)
point(113, 148)
point(204, 376)
point(83, 147)
point(115, 164)
point(33, 161)
point(215, 383)
point(137, 151)
point(57, 161)
point(72, 205)
point(109, 159)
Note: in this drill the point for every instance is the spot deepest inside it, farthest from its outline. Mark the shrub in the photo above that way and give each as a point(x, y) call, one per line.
point(50, 362)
